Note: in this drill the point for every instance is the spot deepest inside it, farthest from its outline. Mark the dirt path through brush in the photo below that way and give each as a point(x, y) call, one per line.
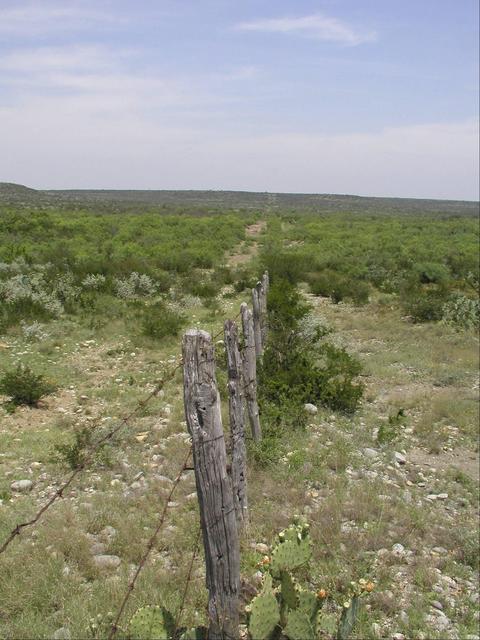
point(245, 252)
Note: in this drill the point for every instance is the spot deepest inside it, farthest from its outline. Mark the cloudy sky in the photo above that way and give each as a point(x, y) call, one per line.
point(370, 97)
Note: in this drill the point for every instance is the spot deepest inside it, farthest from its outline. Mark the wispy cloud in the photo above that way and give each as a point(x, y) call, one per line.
point(35, 18)
point(316, 26)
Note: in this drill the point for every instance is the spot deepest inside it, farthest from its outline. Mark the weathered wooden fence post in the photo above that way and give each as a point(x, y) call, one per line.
point(237, 422)
point(215, 496)
point(257, 319)
point(265, 284)
point(249, 367)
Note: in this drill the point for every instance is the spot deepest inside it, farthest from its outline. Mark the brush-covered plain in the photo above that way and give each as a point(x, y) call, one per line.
point(95, 304)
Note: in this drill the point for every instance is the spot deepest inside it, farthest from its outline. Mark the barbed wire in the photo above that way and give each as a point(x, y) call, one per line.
point(196, 549)
point(90, 457)
point(141, 404)
point(151, 542)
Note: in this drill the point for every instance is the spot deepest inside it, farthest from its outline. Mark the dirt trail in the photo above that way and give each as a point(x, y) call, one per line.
point(245, 252)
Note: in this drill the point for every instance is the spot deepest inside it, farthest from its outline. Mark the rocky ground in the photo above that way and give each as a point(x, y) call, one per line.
point(402, 510)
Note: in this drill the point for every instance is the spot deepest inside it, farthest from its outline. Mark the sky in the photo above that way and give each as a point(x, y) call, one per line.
point(366, 97)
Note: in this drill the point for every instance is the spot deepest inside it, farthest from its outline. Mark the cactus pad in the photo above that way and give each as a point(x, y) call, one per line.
point(299, 626)
point(264, 616)
point(149, 623)
point(348, 619)
point(288, 590)
point(309, 604)
point(289, 555)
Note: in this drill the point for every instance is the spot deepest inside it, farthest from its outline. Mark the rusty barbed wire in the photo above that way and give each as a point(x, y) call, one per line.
point(151, 542)
point(91, 455)
point(196, 549)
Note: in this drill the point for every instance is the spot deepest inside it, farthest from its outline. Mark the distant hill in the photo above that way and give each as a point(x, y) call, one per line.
point(133, 200)
point(14, 191)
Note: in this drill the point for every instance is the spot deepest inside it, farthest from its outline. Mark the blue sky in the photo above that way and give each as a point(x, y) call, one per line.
point(373, 97)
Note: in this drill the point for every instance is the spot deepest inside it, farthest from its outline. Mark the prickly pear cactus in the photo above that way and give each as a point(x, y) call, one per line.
point(149, 623)
point(348, 618)
point(264, 615)
point(309, 604)
point(293, 550)
point(288, 590)
point(289, 555)
point(299, 626)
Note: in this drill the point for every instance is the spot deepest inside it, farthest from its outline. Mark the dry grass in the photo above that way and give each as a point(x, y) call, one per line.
point(357, 506)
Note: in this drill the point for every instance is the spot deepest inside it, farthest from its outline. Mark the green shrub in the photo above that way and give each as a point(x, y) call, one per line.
point(461, 312)
point(284, 264)
point(159, 321)
point(25, 387)
point(332, 379)
point(338, 287)
point(244, 278)
point(424, 303)
point(432, 273)
point(296, 369)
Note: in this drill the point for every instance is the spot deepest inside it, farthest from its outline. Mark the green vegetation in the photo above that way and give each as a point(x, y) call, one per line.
point(24, 387)
point(428, 266)
point(378, 307)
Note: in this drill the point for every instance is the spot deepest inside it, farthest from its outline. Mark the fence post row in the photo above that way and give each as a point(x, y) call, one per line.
point(265, 284)
point(237, 426)
point(214, 490)
point(257, 331)
point(249, 366)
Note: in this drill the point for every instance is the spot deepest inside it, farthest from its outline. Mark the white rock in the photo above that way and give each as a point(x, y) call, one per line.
point(310, 408)
point(370, 453)
point(21, 485)
point(398, 549)
point(62, 634)
point(107, 562)
point(398, 636)
point(400, 458)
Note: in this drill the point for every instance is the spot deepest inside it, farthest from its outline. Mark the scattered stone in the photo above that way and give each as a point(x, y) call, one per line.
point(398, 550)
point(440, 550)
point(139, 475)
point(310, 408)
point(98, 548)
point(404, 617)
point(21, 485)
point(400, 458)
point(107, 562)
point(260, 547)
point(164, 479)
point(437, 605)
point(108, 532)
point(398, 636)
point(370, 453)
point(62, 634)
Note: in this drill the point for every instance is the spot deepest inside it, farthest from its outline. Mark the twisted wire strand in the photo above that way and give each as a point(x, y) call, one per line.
point(150, 545)
point(90, 457)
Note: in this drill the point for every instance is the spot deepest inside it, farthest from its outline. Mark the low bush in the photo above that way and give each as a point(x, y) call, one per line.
point(461, 312)
point(299, 366)
point(24, 387)
point(339, 287)
point(424, 303)
point(159, 321)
